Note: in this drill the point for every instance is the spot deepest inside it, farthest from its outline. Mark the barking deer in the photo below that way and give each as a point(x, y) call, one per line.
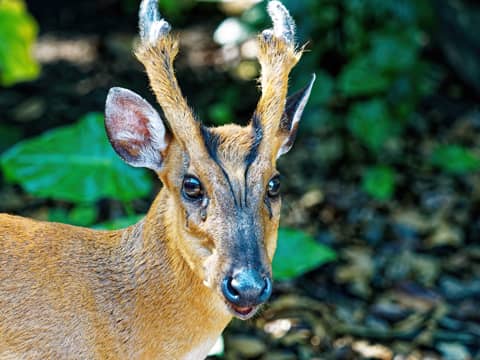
point(166, 287)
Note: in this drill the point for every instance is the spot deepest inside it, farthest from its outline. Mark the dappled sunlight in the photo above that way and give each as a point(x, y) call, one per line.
point(80, 51)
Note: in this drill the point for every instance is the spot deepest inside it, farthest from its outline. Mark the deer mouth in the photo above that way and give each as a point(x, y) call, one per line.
point(243, 313)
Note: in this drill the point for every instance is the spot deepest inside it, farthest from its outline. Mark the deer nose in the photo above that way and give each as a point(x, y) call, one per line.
point(247, 288)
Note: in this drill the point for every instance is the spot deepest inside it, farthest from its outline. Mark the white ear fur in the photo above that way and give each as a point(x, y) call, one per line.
point(294, 107)
point(135, 129)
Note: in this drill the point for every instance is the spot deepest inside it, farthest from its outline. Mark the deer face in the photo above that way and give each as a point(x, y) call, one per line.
point(229, 210)
point(221, 184)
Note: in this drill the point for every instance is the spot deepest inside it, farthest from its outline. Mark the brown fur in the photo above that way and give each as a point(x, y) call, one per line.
point(277, 59)
point(151, 291)
point(70, 292)
point(158, 61)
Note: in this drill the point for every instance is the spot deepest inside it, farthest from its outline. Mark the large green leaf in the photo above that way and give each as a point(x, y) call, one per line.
point(18, 32)
point(297, 253)
point(74, 163)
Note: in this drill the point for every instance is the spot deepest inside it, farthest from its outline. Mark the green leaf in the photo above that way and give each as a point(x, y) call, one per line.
point(379, 182)
point(81, 215)
point(394, 53)
point(360, 77)
point(327, 17)
point(74, 163)
point(455, 159)
point(119, 223)
point(370, 122)
point(297, 253)
point(18, 32)
point(220, 114)
point(175, 8)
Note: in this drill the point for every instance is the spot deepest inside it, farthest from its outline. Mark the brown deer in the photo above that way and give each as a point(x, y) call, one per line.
point(166, 287)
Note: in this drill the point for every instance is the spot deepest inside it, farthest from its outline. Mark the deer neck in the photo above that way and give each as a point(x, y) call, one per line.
point(171, 300)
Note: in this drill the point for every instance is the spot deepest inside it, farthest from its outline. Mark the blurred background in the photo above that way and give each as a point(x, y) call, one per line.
point(378, 256)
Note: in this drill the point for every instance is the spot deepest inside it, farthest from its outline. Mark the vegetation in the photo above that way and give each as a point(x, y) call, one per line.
point(373, 73)
point(18, 31)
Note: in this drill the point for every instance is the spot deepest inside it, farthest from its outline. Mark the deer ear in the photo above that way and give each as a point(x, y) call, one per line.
point(294, 107)
point(135, 130)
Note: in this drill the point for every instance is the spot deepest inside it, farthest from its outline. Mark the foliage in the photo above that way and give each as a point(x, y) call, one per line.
point(379, 182)
point(297, 253)
point(74, 163)
point(119, 223)
point(220, 113)
point(18, 31)
point(171, 9)
point(82, 215)
point(455, 159)
point(371, 123)
point(175, 7)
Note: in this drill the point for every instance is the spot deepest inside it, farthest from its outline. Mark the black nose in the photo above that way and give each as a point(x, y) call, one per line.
point(247, 288)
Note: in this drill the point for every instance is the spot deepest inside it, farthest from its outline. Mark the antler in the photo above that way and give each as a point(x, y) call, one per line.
point(277, 56)
point(157, 51)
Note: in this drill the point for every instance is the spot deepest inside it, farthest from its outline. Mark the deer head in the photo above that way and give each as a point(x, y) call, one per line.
point(220, 192)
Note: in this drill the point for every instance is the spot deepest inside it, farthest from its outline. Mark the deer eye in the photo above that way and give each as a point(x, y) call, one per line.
point(192, 188)
point(273, 187)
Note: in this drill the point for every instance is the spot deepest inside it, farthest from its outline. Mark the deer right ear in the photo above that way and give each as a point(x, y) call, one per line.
point(135, 129)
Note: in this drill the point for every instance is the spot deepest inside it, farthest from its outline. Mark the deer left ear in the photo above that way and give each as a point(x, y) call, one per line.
point(135, 129)
point(294, 107)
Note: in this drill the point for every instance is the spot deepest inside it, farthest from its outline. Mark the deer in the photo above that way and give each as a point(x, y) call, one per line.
point(167, 286)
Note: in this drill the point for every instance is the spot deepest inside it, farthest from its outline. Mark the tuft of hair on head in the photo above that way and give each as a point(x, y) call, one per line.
point(283, 23)
point(152, 26)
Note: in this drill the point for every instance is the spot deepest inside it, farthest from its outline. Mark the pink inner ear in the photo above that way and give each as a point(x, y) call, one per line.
point(135, 129)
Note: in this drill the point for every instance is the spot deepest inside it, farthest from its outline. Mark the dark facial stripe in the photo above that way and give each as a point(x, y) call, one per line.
point(212, 142)
point(257, 139)
point(253, 151)
point(269, 207)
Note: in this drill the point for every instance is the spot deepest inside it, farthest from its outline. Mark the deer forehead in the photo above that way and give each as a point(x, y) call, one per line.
point(230, 166)
point(233, 147)
point(234, 142)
